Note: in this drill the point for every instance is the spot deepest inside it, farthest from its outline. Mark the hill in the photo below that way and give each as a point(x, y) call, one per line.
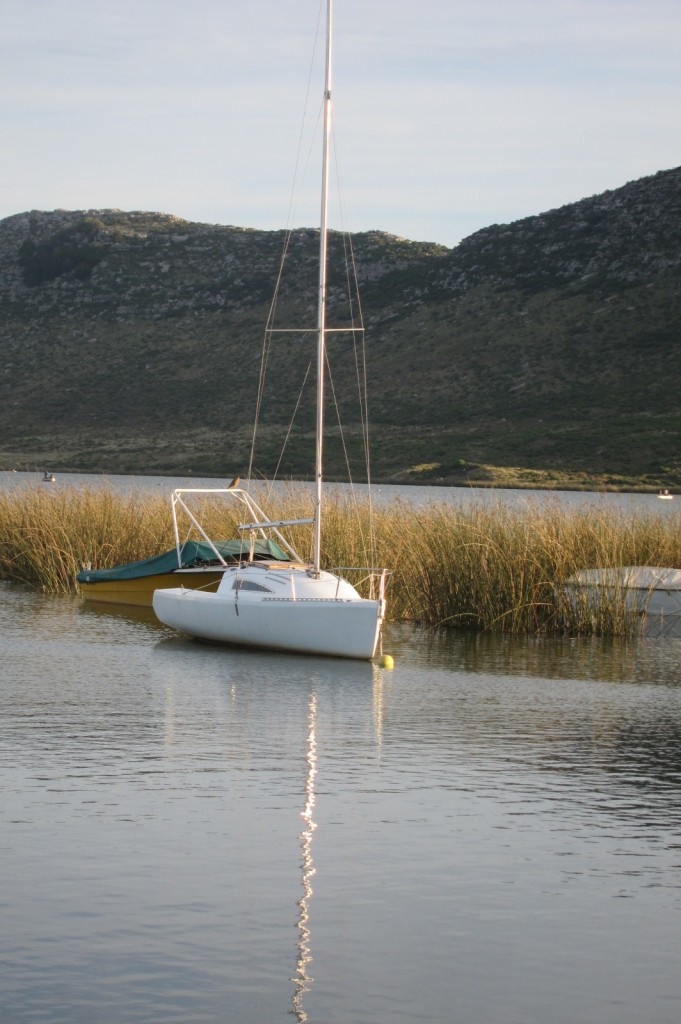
point(544, 351)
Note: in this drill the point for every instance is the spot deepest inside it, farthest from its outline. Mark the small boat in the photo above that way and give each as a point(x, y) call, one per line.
point(645, 590)
point(290, 605)
point(665, 495)
point(198, 566)
point(48, 478)
point(195, 564)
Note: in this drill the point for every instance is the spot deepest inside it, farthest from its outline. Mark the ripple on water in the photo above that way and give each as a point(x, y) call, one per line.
point(489, 832)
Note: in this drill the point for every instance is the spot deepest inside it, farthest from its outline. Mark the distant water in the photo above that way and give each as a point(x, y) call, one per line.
point(382, 493)
point(489, 834)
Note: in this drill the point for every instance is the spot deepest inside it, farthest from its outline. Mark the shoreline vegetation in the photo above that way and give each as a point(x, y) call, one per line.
point(492, 568)
point(476, 476)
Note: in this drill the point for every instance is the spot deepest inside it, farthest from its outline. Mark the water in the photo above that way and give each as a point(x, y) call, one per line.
point(381, 493)
point(488, 834)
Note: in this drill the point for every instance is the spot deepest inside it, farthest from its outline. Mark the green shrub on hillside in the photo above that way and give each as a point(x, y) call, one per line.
point(73, 250)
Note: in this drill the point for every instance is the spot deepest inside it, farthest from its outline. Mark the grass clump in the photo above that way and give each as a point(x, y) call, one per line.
point(48, 535)
point(480, 567)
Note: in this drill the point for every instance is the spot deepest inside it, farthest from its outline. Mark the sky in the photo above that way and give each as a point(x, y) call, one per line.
point(449, 115)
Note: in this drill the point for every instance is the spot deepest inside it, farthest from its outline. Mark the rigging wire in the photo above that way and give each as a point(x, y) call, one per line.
point(354, 304)
point(359, 352)
point(296, 189)
point(292, 420)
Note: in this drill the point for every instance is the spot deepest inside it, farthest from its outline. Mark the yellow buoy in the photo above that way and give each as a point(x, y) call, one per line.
point(385, 661)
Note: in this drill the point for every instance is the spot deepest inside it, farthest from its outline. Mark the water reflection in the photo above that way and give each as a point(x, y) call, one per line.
point(517, 802)
point(127, 613)
point(605, 659)
point(593, 720)
point(302, 980)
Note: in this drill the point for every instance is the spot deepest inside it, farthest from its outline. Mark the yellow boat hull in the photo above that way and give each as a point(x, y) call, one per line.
point(140, 592)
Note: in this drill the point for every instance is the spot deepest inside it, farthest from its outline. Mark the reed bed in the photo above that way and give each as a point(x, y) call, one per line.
point(493, 568)
point(502, 569)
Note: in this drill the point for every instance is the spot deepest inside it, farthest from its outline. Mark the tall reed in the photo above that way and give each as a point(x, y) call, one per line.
point(482, 567)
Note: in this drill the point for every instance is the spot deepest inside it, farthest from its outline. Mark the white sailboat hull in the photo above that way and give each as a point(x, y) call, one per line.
point(287, 605)
point(642, 589)
point(335, 622)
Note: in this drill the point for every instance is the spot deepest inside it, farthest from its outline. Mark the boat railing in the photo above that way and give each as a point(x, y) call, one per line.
point(373, 575)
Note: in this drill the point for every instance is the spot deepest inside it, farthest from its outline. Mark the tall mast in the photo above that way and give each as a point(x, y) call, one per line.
point(321, 316)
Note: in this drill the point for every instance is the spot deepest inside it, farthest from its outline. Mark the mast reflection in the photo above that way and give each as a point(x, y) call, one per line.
point(302, 980)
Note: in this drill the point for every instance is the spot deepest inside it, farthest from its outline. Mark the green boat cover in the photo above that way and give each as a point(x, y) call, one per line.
point(194, 554)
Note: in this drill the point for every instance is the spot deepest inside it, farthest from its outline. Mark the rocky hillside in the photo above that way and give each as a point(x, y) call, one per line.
point(547, 349)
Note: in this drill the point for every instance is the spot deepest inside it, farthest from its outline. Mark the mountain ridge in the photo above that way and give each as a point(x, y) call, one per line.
point(546, 349)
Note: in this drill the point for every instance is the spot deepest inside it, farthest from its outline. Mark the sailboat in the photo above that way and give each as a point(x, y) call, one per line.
point(291, 604)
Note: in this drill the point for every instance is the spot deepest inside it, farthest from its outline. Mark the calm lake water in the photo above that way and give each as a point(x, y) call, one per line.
point(488, 834)
point(381, 492)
